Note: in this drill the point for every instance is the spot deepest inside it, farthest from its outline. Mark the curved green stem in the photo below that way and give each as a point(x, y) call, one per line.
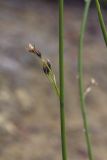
point(81, 84)
point(61, 77)
point(101, 21)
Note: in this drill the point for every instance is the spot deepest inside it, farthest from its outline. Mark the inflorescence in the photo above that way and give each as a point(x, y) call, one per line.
point(46, 66)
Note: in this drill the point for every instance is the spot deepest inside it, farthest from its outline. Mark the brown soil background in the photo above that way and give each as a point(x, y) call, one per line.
point(29, 108)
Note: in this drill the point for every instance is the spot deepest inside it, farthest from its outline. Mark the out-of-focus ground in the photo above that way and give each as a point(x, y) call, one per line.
point(29, 108)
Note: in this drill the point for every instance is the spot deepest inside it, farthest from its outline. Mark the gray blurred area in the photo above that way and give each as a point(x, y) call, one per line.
point(29, 108)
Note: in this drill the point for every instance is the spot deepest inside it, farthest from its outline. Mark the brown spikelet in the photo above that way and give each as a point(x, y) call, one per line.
point(32, 49)
point(47, 66)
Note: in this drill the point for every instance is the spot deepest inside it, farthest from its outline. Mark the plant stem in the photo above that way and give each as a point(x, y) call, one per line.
point(81, 84)
point(54, 85)
point(61, 77)
point(101, 21)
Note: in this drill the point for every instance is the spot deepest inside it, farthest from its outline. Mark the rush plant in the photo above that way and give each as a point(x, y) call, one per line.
point(48, 71)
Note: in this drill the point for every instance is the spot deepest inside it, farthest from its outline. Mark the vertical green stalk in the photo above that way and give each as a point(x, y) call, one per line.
point(81, 84)
point(61, 77)
point(101, 21)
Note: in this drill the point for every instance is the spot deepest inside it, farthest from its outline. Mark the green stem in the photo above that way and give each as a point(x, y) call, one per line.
point(54, 85)
point(81, 84)
point(101, 21)
point(61, 77)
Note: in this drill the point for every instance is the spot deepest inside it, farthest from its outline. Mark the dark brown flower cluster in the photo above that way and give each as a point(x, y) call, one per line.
point(46, 64)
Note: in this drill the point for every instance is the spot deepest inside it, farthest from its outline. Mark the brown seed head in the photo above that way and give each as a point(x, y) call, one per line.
point(46, 66)
point(32, 49)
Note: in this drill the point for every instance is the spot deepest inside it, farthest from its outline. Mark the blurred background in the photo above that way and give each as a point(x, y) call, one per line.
point(29, 108)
